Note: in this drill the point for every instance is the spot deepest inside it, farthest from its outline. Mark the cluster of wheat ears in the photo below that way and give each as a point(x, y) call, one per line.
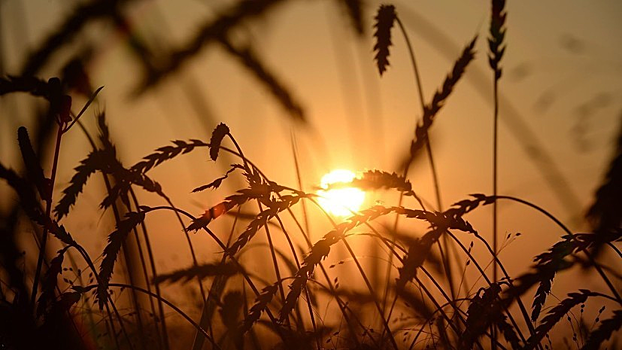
point(425, 304)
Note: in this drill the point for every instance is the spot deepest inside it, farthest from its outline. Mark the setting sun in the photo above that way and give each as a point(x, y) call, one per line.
point(286, 174)
point(340, 201)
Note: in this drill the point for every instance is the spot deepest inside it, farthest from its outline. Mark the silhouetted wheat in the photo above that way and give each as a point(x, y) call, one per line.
point(216, 183)
point(283, 95)
point(32, 207)
point(483, 311)
point(217, 135)
point(556, 314)
point(209, 33)
point(50, 283)
point(604, 214)
point(376, 179)
point(355, 12)
point(274, 208)
point(125, 179)
point(496, 42)
point(318, 310)
point(26, 194)
point(115, 240)
point(88, 166)
point(604, 332)
point(438, 100)
point(384, 22)
point(73, 24)
point(497, 48)
point(261, 303)
point(554, 260)
point(216, 211)
point(165, 153)
point(29, 84)
point(201, 271)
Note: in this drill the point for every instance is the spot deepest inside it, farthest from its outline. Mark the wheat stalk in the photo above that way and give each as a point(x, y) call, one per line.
point(438, 100)
point(201, 271)
point(384, 22)
point(604, 332)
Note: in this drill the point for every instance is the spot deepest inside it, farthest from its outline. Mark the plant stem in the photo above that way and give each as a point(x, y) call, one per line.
point(342, 305)
point(372, 293)
point(109, 302)
point(295, 256)
point(596, 265)
point(48, 212)
point(117, 216)
point(163, 337)
point(494, 178)
point(275, 263)
point(168, 303)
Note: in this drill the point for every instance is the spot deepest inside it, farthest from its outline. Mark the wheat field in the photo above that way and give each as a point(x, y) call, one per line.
point(161, 177)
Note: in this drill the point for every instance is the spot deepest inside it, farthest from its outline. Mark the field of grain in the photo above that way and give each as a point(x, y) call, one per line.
point(167, 175)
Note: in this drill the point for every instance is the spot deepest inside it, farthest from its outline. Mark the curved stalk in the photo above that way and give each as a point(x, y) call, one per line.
point(168, 303)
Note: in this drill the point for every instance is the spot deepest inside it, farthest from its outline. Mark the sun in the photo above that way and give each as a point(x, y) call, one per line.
point(340, 201)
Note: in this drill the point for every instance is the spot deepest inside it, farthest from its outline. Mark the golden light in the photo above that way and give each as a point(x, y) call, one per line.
point(340, 201)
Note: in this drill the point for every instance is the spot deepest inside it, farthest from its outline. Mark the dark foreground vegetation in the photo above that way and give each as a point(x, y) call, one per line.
point(61, 295)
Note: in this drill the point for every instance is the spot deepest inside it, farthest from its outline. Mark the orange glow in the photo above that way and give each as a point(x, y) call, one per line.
point(340, 201)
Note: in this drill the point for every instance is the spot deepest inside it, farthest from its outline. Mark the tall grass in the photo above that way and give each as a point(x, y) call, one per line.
point(272, 283)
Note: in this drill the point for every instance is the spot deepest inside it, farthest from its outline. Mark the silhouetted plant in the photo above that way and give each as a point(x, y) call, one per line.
point(299, 300)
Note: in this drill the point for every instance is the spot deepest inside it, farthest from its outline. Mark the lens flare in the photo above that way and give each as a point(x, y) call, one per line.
point(340, 201)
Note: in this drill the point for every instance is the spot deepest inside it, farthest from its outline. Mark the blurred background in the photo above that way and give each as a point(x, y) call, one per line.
point(299, 76)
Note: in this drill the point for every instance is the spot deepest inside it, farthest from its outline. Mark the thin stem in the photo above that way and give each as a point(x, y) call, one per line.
point(88, 103)
point(615, 249)
point(430, 318)
point(277, 272)
point(342, 306)
point(407, 167)
point(308, 299)
point(600, 271)
point(436, 182)
point(117, 216)
point(48, 211)
point(168, 303)
point(371, 292)
point(412, 61)
point(195, 261)
point(109, 325)
point(164, 335)
point(224, 248)
point(437, 305)
point(109, 302)
point(333, 292)
point(495, 143)
point(489, 282)
point(306, 223)
point(216, 289)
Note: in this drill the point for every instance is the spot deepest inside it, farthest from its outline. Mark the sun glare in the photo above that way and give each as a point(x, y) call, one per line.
point(340, 201)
